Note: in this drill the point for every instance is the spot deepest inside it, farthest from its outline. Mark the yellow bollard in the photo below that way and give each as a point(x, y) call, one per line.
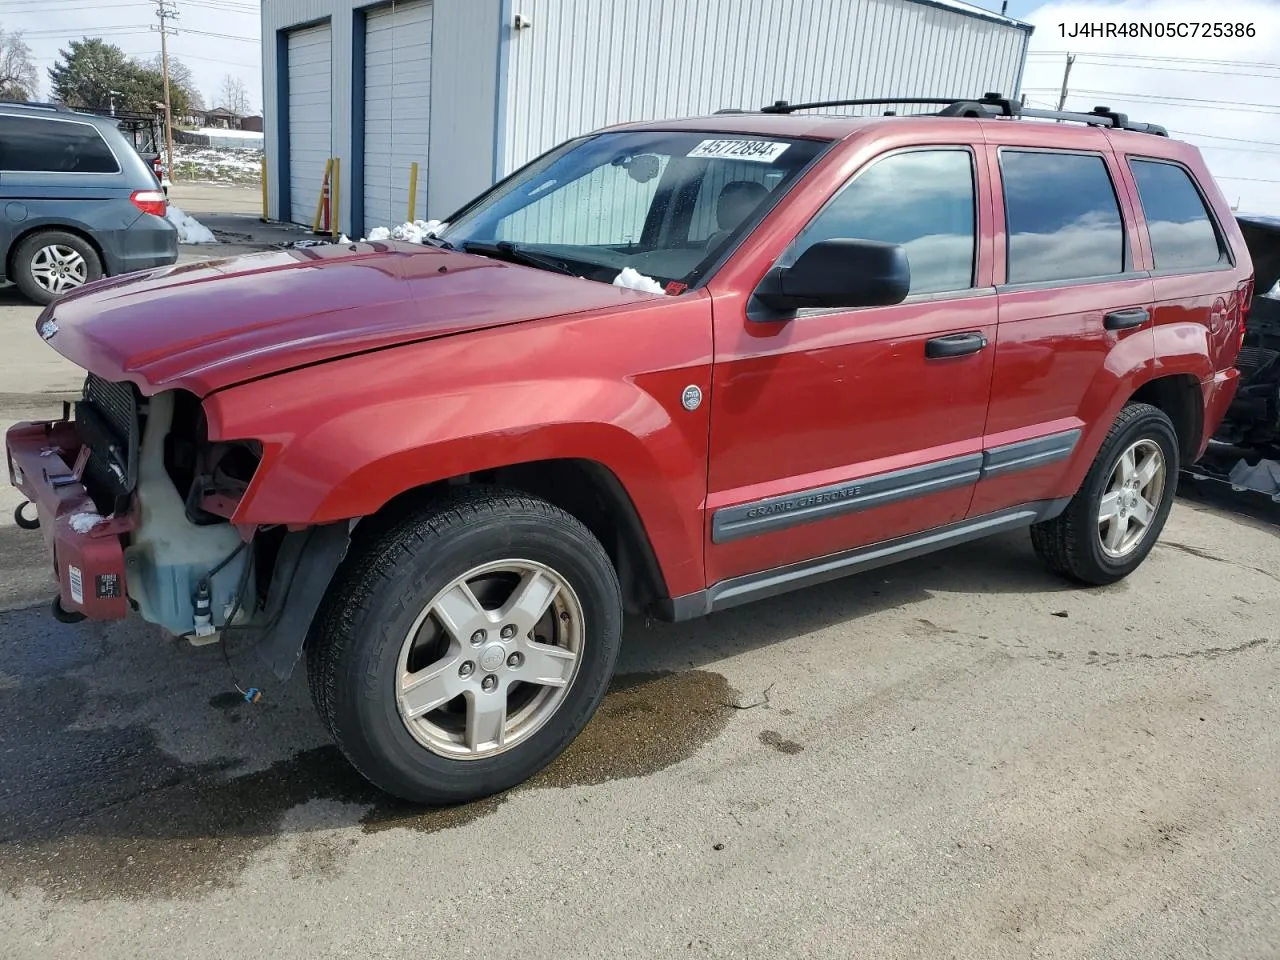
point(335, 195)
point(324, 189)
point(266, 208)
point(413, 193)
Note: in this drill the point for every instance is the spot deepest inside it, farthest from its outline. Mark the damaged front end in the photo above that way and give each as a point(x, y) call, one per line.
point(1245, 451)
point(136, 505)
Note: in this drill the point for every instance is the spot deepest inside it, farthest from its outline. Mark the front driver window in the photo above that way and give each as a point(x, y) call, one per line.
point(921, 199)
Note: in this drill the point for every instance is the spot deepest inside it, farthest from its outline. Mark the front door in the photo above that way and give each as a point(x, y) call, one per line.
point(839, 428)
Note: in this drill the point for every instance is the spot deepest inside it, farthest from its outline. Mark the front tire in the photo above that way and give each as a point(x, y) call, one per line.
point(463, 648)
point(1116, 516)
point(52, 263)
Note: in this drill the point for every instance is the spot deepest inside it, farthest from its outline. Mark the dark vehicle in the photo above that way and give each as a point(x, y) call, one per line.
point(1253, 419)
point(1245, 451)
point(77, 202)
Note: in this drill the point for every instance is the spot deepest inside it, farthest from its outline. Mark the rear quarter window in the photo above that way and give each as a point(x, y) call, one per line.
point(1183, 235)
point(39, 145)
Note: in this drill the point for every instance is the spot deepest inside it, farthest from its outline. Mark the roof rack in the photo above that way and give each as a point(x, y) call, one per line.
point(60, 107)
point(988, 105)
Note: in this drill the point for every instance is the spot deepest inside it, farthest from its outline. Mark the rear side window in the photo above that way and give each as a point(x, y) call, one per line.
point(1062, 217)
point(1183, 236)
point(33, 144)
point(921, 199)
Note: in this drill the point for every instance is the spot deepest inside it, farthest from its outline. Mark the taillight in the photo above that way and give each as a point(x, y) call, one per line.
point(151, 201)
point(1244, 300)
point(157, 166)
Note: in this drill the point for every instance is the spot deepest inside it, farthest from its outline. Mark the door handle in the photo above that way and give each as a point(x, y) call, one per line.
point(954, 345)
point(1125, 319)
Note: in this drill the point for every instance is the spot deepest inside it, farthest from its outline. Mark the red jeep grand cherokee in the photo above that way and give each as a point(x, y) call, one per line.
point(668, 367)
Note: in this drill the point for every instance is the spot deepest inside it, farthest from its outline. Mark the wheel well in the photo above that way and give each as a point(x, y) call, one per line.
point(584, 488)
point(1180, 398)
point(51, 228)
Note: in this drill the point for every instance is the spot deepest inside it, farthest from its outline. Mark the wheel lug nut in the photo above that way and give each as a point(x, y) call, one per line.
point(508, 631)
point(489, 683)
point(515, 660)
point(467, 669)
point(479, 637)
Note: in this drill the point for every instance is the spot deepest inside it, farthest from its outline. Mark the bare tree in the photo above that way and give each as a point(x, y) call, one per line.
point(18, 77)
point(233, 95)
point(180, 78)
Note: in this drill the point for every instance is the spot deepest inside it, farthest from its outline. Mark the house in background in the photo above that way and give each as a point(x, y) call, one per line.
point(470, 90)
point(251, 124)
point(220, 118)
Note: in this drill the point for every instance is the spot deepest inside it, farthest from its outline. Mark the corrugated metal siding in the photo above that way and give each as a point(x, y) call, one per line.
point(463, 81)
point(585, 64)
point(397, 111)
point(310, 117)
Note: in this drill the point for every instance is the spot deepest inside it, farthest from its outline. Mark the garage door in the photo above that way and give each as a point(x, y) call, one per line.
point(397, 110)
point(310, 118)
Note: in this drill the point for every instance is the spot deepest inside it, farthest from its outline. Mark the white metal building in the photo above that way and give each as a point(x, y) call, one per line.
point(469, 90)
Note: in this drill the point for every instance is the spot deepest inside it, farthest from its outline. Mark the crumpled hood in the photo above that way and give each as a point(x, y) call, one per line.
point(206, 326)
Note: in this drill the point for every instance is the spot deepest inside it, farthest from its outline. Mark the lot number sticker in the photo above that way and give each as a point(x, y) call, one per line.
point(76, 579)
point(761, 151)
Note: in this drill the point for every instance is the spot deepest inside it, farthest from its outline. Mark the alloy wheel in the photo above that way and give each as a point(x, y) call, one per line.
point(1131, 499)
point(490, 659)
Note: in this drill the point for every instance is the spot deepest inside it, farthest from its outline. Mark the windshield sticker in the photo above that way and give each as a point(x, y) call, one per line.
point(761, 151)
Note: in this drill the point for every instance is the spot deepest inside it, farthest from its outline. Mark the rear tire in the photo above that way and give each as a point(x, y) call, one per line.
point(441, 693)
point(52, 263)
point(1081, 543)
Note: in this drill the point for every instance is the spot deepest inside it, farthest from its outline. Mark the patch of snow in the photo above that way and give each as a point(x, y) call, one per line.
point(229, 134)
point(415, 232)
point(82, 523)
point(190, 230)
point(635, 280)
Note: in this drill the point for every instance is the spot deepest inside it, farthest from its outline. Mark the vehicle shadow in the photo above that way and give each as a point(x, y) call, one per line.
point(11, 296)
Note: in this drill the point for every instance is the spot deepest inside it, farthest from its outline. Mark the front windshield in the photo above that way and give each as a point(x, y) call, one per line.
point(664, 204)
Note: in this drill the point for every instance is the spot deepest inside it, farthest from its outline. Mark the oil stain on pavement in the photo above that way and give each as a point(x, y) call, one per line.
point(105, 813)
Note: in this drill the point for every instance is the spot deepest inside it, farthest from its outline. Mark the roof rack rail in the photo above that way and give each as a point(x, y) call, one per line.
point(60, 107)
point(988, 105)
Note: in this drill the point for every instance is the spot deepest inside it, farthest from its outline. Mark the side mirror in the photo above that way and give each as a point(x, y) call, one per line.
point(839, 273)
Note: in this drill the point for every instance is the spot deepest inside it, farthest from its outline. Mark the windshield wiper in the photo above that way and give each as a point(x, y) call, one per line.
point(437, 241)
point(506, 250)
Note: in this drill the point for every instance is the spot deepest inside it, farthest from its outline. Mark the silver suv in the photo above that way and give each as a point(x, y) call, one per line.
point(77, 202)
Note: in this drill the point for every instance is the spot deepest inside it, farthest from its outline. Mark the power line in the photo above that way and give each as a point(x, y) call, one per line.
point(1196, 102)
point(1127, 56)
point(1214, 136)
point(1246, 179)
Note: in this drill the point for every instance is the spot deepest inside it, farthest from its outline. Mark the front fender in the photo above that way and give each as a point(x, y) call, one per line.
point(341, 439)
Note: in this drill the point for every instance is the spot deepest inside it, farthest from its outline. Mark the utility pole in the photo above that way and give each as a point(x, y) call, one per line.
point(166, 11)
point(1062, 97)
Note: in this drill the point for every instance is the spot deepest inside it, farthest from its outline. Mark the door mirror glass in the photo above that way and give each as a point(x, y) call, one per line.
point(840, 272)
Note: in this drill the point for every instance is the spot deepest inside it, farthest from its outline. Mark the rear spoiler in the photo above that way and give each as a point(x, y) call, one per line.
point(1262, 236)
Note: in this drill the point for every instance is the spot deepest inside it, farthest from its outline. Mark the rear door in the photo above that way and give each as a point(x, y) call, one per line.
point(1075, 307)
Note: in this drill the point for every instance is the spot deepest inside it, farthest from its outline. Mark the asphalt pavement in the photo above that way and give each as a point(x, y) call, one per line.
point(955, 757)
